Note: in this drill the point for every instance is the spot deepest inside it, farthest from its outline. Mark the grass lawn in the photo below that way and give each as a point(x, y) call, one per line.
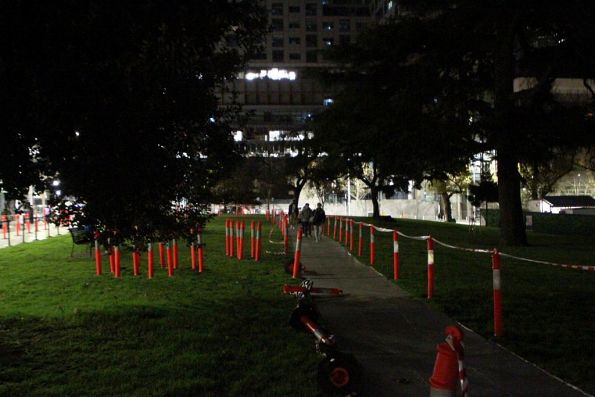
point(548, 311)
point(66, 332)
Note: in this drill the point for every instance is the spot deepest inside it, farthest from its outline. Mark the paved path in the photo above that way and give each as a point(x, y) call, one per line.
point(394, 336)
point(30, 234)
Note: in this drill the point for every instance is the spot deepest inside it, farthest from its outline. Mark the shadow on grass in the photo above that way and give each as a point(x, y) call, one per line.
point(240, 347)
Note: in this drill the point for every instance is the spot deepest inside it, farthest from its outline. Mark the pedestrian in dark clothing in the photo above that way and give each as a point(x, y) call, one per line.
point(305, 217)
point(318, 219)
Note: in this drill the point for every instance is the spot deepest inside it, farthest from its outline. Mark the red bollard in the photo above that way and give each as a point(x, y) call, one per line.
point(135, 263)
point(328, 227)
point(170, 260)
point(340, 230)
point(117, 261)
point(201, 252)
point(240, 253)
point(231, 237)
point(161, 255)
point(360, 241)
point(112, 261)
point(28, 223)
point(258, 247)
point(285, 235)
point(227, 237)
point(498, 327)
point(334, 228)
point(192, 257)
point(4, 227)
point(351, 235)
point(430, 267)
point(150, 263)
point(395, 255)
point(18, 221)
point(97, 258)
point(298, 254)
point(176, 253)
point(372, 245)
point(252, 240)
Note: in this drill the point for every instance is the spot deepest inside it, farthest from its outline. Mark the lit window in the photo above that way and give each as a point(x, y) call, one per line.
point(328, 101)
point(328, 26)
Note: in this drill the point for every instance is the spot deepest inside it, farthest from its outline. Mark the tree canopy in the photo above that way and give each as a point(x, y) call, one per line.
point(118, 103)
point(461, 71)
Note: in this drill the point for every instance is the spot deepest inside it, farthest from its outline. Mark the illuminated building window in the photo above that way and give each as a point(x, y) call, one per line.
point(328, 26)
point(328, 41)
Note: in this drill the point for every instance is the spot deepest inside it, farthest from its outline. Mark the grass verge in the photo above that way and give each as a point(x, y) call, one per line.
point(548, 314)
point(65, 331)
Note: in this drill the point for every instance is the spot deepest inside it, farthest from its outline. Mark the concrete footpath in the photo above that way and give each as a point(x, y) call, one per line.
point(394, 336)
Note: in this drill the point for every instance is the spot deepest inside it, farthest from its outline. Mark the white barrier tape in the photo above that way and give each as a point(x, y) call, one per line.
point(419, 238)
point(479, 250)
point(576, 267)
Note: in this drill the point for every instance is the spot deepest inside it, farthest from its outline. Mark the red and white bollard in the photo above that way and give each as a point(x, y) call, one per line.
point(176, 254)
point(430, 267)
point(117, 261)
point(97, 258)
point(201, 252)
point(395, 255)
point(372, 245)
point(449, 368)
point(360, 241)
point(150, 261)
point(351, 235)
point(241, 226)
point(285, 235)
point(298, 254)
point(252, 240)
point(135, 262)
point(161, 255)
point(170, 259)
point(328, 228)
point(334, 228)
point(498, 326)
point(227, 237)
point(111, 259)
point(192, 257)
point(4, 227)
point(258, 243)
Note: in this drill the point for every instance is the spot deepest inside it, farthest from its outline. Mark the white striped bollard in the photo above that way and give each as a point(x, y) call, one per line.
point(430, 267)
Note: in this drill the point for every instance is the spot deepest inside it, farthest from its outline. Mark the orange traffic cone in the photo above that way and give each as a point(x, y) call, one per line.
point(448, 367)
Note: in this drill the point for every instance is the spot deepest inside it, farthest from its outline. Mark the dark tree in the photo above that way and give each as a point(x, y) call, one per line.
point(479, 48)
point(120, 101)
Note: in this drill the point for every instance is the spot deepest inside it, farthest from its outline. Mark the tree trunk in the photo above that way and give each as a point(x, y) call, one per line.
point(375, 204)
point(445, 199)
point(512, 229)
point(297, 190)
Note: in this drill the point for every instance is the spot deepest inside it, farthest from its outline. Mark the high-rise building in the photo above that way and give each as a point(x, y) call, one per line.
point(277, 91)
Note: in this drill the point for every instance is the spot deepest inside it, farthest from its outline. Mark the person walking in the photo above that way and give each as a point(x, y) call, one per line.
point(305, 216)
point(318, 219)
